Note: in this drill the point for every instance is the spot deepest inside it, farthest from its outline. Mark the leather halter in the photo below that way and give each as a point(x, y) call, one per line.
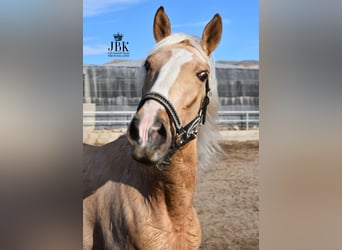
point(183, 134)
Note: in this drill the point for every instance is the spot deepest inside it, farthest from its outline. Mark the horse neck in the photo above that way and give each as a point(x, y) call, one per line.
point(172, 188)
point(179, 181)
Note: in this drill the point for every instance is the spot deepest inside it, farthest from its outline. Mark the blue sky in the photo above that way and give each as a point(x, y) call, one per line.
point(134, 19)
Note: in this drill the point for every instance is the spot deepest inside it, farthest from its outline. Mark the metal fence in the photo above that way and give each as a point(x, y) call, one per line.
point(241, 119)
point(120, 119)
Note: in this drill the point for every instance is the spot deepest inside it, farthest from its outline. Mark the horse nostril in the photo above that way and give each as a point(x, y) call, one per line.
point(133, 129)
point(157, 134)
point(162, 131)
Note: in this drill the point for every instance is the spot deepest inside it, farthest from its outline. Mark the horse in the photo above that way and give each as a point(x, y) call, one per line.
point(139, 189)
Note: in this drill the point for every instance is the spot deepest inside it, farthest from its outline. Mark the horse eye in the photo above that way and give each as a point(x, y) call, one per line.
point(203, 75)
point(147, 66)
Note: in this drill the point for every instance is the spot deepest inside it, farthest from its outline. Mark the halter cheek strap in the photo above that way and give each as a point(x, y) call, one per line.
point(183, 134)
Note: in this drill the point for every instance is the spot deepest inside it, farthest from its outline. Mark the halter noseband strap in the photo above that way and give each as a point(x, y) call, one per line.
point(183, 134)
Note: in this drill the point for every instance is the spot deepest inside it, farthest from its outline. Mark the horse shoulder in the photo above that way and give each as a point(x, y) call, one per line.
point(103, 164)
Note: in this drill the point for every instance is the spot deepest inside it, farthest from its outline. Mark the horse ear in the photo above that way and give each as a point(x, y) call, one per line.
point(161, 26)
point(212, 34)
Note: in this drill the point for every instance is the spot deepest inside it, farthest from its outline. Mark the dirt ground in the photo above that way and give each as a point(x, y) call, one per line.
point(226, 198)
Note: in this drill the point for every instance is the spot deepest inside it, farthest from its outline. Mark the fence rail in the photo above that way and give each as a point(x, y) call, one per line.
point(242, 119)
point(120, 119)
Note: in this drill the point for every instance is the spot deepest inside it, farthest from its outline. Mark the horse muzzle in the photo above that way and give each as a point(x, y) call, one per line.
point(149, 135)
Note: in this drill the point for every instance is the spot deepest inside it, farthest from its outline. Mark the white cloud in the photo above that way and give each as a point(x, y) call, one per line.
point(95, 50)
point(97, 7)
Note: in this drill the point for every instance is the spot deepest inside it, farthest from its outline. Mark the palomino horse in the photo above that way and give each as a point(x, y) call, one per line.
point(139, 189)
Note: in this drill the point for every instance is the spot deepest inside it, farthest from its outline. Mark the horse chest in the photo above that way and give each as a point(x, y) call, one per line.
point(158, 231)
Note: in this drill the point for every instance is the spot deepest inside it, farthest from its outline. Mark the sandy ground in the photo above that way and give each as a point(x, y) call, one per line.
point(226, 198)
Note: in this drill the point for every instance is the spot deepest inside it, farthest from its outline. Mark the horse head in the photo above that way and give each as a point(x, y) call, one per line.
point(176, 90)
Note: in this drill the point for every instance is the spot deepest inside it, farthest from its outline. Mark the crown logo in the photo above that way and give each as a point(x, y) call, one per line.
point(118, 37)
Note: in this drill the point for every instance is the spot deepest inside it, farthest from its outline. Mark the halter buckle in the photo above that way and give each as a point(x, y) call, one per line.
point(161, 165)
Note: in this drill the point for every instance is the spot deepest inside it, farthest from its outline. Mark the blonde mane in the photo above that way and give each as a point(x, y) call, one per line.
point(207, 145)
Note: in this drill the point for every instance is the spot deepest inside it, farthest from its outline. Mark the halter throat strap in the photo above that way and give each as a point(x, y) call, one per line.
point(183, 134)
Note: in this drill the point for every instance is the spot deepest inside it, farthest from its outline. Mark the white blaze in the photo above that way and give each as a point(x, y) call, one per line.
point(150, 112)
point(169, 72)
point(166, 78)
